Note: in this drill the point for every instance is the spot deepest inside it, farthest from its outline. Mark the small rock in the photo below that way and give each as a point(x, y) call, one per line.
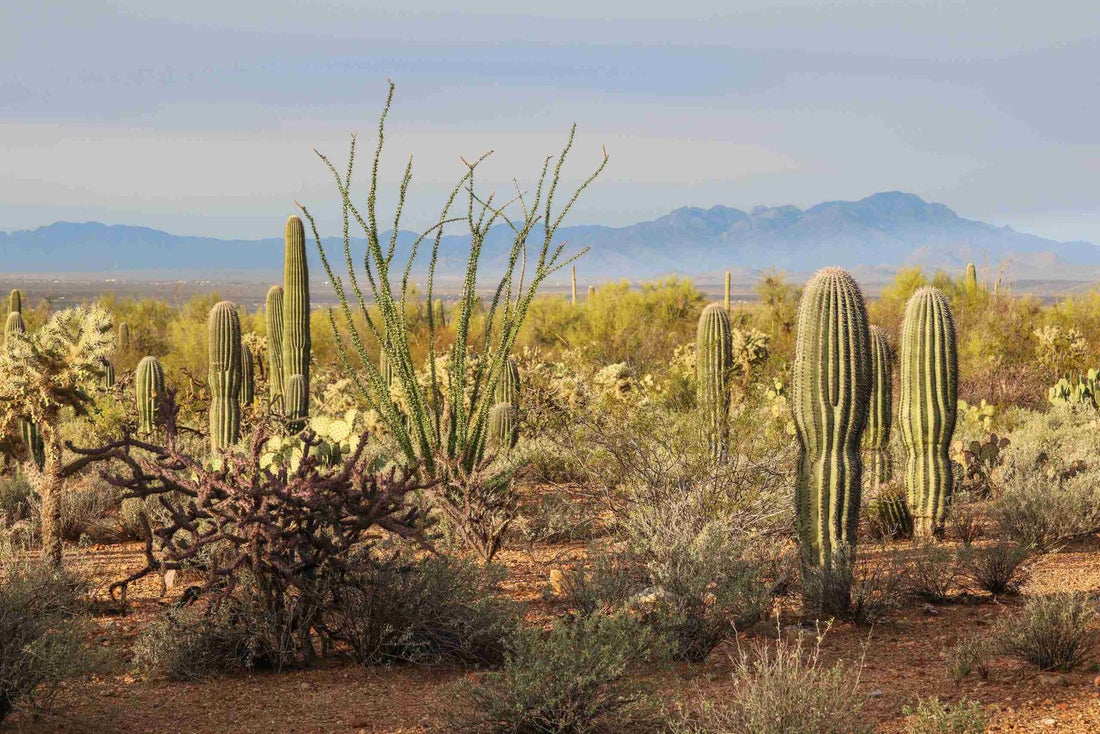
point(930, 610)
point(1096, 682)
point(877, 693)
point(1049, 722)
point(557, 581)
point(170, 578)
point(1051, 679)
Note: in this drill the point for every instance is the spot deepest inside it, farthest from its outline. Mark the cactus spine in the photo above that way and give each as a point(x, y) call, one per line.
point(876, 439)
point(831, 391)
point(714, 364)
point(273, 317)
point(15, 301)
point(248, 388)
point(296, 338)
point(224, 375)
point(14, 325)
point(148, 386)
point(929, 402)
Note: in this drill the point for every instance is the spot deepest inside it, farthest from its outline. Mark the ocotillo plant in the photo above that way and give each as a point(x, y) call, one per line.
point(273, 317)
point(296, 338)
point(726, 300)
point(15, 301)
point(224, 375)
point(830, 397)
point(14, 325)
point(148, 386)
point(928, 407)
point(714, 365)
point(248, 388)
point(876, 438)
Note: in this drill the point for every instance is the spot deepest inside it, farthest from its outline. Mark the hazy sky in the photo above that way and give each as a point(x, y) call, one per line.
point(200, 117)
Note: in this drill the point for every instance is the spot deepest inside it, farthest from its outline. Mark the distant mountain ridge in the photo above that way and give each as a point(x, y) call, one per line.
point(885, 230)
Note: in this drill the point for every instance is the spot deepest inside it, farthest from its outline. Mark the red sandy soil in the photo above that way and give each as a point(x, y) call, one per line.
point(901, 660)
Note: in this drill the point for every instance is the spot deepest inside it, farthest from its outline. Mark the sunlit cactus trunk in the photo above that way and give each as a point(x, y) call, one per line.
point(296, 337)
point(108, 379)
point(15, 301)
point(248, 387)
point(273, 318)
point(124, 336)
point(726, 299)
point(928, 406)
point(148, 386)
point(830, 399)
point(876, 439)
point(971, 281)
point(14, 325)
point(224, 375)
point(297, 396)
point(713, 366)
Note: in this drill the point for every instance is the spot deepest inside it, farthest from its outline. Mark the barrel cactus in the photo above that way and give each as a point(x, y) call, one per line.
point(296, 337)
point(273, 317)
point(248, 388)
point(15, 301)
point(830, 399)
point(928, 406)
point(14, 325)
point(224, 374)
point(714, 365)
point(148, 386)
point(876, 438)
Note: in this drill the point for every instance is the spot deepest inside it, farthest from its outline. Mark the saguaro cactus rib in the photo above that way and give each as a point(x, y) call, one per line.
point(224, 375)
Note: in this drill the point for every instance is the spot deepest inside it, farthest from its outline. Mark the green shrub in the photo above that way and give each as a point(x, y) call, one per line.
point(40, 634)
point(1046, 512)
point(935, 570)
point(16, 501)
point(933, 716)
point(969, 655)
point(434, 610)
point(1052, 632)
point(570, 680)
point(999, 567)
point(784, 689)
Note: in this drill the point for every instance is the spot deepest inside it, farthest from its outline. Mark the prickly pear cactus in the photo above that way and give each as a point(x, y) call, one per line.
point(224, 375)
point(713, 370)
point(830, 399)
point(148, 386)
point(928, 408)
point(876, 438)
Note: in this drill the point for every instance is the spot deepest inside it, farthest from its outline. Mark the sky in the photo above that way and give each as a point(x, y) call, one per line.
point(201, 117)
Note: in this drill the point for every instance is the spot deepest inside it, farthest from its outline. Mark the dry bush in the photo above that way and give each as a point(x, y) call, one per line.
point(1051, 632)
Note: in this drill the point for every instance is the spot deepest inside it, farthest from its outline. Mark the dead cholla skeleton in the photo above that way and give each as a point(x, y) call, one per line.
point(281, 526)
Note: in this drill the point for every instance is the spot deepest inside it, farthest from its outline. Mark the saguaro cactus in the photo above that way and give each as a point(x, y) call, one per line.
point(440, 314)
point(148, 386)
point(714, 367)
point(14, 325)
point(296, 338)
point(929, 401)
point(297, 397)
point(507, 389)
point(876, 438)
point(224, 376)
point(273, 317)
point(971, 278)
point(248, 389)
point(108, 374)
point(830, 397)
point(124, 336)
point(503, 426)
point(15, 301)
point(726, 300)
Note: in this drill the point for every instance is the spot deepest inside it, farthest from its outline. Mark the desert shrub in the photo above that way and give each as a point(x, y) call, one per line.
point(15, 499)
point(861, 593)
point(40, 636)
point(556, 514)
point(570, 680)
point(1051, 632)
point(785, 688)
point(999, 567)
point(964, 519)
point(935, 570)
point(969, 655)
point(431, 610)
point(933, 716)
point(1046, 512)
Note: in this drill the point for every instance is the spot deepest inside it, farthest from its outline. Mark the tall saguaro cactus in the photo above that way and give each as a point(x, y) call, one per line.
point(14, 325)
point(296, 338)
point(108, 374)
point(726, 300)
point(15, 301)
point(929, 401)
point(830, 397)
point(273, 317)
point(714, 365)
point(507, 389)
point(148, 386)
point(224, 375)
point(124, 336)
point(248, 387)
point(876, 439)
point(971, 281)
